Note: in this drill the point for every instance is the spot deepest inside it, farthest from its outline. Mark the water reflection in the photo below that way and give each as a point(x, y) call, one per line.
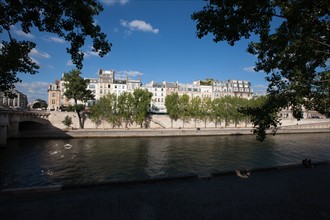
point(156, 157)
point(34, 162)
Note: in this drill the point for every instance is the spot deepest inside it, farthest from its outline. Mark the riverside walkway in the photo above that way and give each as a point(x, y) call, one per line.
point(283, 193)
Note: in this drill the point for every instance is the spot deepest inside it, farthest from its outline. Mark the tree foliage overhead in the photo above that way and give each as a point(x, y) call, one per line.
point(293, 50)
point(71, 20)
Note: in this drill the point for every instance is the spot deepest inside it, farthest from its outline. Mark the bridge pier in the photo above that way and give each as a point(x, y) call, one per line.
point(4, 122)
point(13, 127)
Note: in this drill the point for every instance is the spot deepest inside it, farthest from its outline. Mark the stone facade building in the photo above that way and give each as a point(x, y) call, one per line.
point(20, 101)
point(104, 84)
point(107, 83)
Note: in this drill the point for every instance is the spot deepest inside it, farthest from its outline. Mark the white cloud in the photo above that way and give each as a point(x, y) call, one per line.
point(130, 74)
point(35, 61)
point(21, 33)
point(112, 2)
point(69, 63)
point(260, 86)
point(90, 53)
point(139, 25)
point(57, 40)
point(37, 53)
point(33, 90)
point(249, 69)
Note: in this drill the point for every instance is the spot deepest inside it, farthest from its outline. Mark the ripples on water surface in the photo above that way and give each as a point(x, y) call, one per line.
point(36, 162)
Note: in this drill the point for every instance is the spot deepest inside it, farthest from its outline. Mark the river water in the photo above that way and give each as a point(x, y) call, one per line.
point(41, 162)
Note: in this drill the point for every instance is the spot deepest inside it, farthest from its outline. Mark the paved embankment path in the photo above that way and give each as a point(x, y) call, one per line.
point(92, 133)
point(289, 193)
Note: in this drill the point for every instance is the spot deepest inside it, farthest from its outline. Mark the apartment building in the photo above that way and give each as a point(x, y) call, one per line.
point(54, 95)
point(106, 83)
point(20, 101)
point(158, 91)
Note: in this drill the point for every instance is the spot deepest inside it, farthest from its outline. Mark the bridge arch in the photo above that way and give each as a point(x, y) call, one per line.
point(33, 125)
point(12, 122)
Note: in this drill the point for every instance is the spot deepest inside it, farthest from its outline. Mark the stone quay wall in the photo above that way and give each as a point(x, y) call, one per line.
point(164, 122)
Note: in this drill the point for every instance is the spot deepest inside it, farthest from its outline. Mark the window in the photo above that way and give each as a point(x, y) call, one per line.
point(53, 94)
point(53, 101)
point(109, 86)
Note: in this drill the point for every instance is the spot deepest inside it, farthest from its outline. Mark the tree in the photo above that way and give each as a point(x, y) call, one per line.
point(71, 20)
point(126, 108)
point(76, 89)
point(195, 108)
point(228, 108)
point(218, 111)
point(67, 121)
point(142, 99)
point(183, 109)
point(205, 109)
point(237, 103)
point(105, 109)
point(172, 106)
point(293, 48)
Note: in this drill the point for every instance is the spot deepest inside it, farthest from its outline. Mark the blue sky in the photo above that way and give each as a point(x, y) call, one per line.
point(152, 39)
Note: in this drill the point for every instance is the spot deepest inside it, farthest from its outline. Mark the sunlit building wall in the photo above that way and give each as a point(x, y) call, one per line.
point(20, 101)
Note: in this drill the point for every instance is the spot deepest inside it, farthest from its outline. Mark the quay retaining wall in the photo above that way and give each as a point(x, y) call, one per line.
point(163, 121)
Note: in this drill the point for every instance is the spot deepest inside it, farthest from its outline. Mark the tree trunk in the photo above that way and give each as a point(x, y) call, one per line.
point(79, 119)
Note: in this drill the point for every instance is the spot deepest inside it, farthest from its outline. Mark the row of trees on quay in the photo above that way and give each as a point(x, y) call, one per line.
point(222, 111)
point(127, 108)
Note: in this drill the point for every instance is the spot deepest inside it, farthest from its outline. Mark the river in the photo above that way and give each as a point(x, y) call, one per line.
point(41, 162)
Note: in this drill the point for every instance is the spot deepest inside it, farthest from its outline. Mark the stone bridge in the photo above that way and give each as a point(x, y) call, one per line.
point(13, 121)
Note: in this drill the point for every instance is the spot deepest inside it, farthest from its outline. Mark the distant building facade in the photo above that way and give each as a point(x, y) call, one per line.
point(106, 83)
point(20, 101)
point(203, 89)
point(54, 96)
